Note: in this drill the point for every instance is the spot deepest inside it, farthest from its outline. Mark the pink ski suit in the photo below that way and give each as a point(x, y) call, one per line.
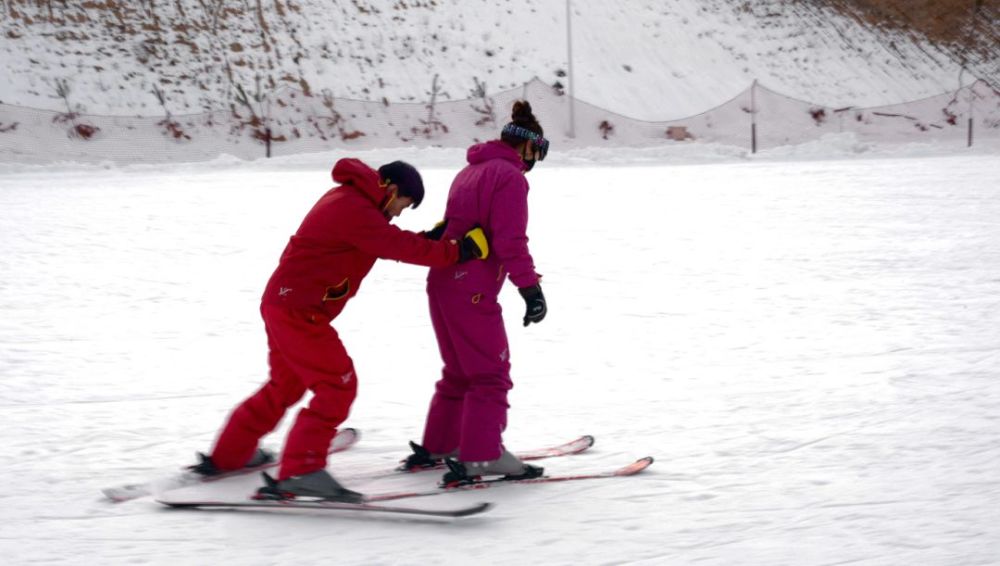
point(468, 412)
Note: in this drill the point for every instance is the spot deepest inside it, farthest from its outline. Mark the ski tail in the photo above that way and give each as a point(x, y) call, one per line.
point(345, 438)
point(572, 447)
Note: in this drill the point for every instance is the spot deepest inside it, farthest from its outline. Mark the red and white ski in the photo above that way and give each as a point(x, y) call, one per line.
point(629, 470)
point(568, 449)
point(373, 503)
point(572, 447)
point(346, 437)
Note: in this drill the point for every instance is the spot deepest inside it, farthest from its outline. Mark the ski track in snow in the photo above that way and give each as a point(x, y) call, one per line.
point(809, 348)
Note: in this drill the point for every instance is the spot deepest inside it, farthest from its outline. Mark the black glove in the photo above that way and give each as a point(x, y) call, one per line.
point(534, 302)
point(473, 246)
point(437, 231)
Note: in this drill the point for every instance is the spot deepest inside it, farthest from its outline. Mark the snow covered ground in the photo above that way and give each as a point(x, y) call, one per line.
point(808, 347)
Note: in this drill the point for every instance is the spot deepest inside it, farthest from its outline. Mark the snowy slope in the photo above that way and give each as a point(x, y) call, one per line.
point(641, 58)
point(806, 339)
point(809, 348)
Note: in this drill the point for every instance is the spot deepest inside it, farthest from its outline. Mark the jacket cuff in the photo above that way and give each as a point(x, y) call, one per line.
point(522, 280)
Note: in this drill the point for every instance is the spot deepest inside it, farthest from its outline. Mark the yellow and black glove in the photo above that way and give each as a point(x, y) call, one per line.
point(473, 246)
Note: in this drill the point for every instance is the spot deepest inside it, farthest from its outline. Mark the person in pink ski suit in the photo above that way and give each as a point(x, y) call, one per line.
point(468, 412)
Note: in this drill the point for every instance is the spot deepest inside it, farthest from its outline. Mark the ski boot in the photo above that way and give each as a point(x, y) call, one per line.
point(508, 466)
point(207, 468)
point(318, 485)
point(422, 458)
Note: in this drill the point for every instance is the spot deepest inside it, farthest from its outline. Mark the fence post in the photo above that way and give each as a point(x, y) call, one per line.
point(569, 52)
point(753, 117)
point(267, 127)
point(972, 93)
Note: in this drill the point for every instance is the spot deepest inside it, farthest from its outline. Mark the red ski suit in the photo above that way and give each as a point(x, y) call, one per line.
point(319, 271)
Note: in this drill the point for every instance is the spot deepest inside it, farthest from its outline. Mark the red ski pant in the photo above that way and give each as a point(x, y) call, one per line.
point(305, 353)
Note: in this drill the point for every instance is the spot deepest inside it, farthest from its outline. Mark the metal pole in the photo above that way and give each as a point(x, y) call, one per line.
point(971, 98)
point(569, 51)
point(753, 117)
point(267, 126)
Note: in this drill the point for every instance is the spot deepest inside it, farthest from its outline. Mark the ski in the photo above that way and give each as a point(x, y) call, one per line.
point(329, 506)
point(629, 470)
point(346, 437)
point(567, 449)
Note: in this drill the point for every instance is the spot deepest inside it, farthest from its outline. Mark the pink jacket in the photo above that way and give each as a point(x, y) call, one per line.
point(492, 192)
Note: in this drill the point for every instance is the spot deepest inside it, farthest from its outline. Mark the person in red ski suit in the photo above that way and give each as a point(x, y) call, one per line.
point(319, 271)
point(468, 412)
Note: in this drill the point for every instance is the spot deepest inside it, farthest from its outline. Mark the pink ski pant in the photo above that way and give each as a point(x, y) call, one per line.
point(468, 412)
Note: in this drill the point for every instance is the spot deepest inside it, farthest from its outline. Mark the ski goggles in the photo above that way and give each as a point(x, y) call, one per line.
point(539, 145)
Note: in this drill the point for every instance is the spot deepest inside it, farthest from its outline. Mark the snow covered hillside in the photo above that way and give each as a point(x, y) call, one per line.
point(647, 59)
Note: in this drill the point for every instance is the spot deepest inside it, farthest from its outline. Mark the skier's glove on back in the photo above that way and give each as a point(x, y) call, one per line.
point(473, 246)
point(436, 232)
point(534, 302)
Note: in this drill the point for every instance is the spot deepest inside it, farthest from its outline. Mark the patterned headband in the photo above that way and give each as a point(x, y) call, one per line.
point(538, 141)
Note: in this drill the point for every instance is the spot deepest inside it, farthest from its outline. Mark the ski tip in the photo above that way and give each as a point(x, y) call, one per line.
point(344, 439)
point(589, 439)
point(635, 467)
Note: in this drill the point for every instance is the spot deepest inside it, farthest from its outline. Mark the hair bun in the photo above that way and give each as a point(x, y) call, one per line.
point(521, 117)
point(521, 113)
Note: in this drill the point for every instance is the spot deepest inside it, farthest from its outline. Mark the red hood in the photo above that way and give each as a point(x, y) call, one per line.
point(354, 172)
point(495, 149)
